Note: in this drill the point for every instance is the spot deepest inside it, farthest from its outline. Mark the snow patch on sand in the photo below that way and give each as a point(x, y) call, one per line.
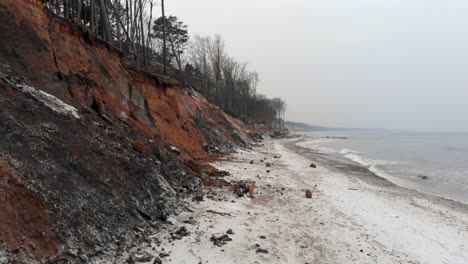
point(51, 101)
point(346, 221)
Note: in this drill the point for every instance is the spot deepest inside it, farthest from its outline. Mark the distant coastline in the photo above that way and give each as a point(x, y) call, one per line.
point(304, 127)
point(345, 154)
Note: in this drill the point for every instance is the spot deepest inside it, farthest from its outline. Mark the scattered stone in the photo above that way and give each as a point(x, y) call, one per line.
point(262, 237)
point(138, 229)
point(230, 232)
point(157, 261)
point(163, 254)
point(220, 213)
point(258, 137)
point(243, 187)
point(308, 194)
point(140, 257)
point(268, 164)
point(171, 220)
point(251, 162)
point(190, 221)
point(312, 165)
point(175, 150)
point(198, 198)
point(268, 171)
point(261, 250)
point(220, 239)
point(182, 231)
point(424, 177)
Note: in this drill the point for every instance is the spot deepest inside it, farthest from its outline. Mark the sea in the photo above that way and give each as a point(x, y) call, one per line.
point(433, 163)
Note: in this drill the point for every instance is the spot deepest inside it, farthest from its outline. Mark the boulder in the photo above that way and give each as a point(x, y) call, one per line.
point(220, 239)
point(312, 165)
point(140, 257)
point(308, 194)
point(198, 198)
point(243, 187)
point(181, 231)
point(175, 150)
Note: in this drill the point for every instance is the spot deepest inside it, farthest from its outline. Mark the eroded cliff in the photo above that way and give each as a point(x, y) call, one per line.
point(93, 154)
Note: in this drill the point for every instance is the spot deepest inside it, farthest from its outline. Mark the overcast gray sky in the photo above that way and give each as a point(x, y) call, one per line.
point(398, 64)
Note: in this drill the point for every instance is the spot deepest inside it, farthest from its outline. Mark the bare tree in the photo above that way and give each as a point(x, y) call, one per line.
point(106, 29)
point(164, 37)
point(220, 77)
point(217, 55)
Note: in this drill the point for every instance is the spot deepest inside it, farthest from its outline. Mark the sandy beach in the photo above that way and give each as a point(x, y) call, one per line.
point(353, 216)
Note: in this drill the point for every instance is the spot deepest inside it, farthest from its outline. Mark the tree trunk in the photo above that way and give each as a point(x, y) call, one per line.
point(92, 18)
point(142, 34)
point(176, 55)
point(128, 20)
point(105, 24)
point(57, 7)
point(148, 37)
point(80, 10)
point(66, 9)
point(117, 24)
point(164, 37)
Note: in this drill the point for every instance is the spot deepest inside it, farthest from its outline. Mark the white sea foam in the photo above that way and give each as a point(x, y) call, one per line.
point(315, 144)
point(345, 151)
point(374, 165)
point(368, 162)
point(403, 158)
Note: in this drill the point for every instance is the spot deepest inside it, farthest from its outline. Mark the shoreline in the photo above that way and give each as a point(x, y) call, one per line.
point(333, 162)
point(351, 218)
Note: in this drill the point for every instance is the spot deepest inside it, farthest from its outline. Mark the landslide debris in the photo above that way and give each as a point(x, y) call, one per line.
point(94, 156)
point(96, 186)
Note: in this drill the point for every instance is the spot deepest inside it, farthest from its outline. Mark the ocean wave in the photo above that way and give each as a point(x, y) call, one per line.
point(368, 162)
point(346, 151)
point(313, 144)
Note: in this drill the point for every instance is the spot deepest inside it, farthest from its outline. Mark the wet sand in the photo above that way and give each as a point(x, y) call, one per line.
point(345, 166)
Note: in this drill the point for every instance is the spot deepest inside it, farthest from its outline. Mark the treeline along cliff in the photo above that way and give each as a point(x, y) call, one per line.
point(162, 45)
point(96, 149)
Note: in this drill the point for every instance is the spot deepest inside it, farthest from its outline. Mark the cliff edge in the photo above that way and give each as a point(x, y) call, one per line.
point(93, 154)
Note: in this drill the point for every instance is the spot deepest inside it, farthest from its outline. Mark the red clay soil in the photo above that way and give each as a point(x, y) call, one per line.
point(67, 61)
point(26, 211)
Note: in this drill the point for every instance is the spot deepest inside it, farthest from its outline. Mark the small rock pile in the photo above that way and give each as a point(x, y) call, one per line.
point(220, 239)
point(242, 188)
